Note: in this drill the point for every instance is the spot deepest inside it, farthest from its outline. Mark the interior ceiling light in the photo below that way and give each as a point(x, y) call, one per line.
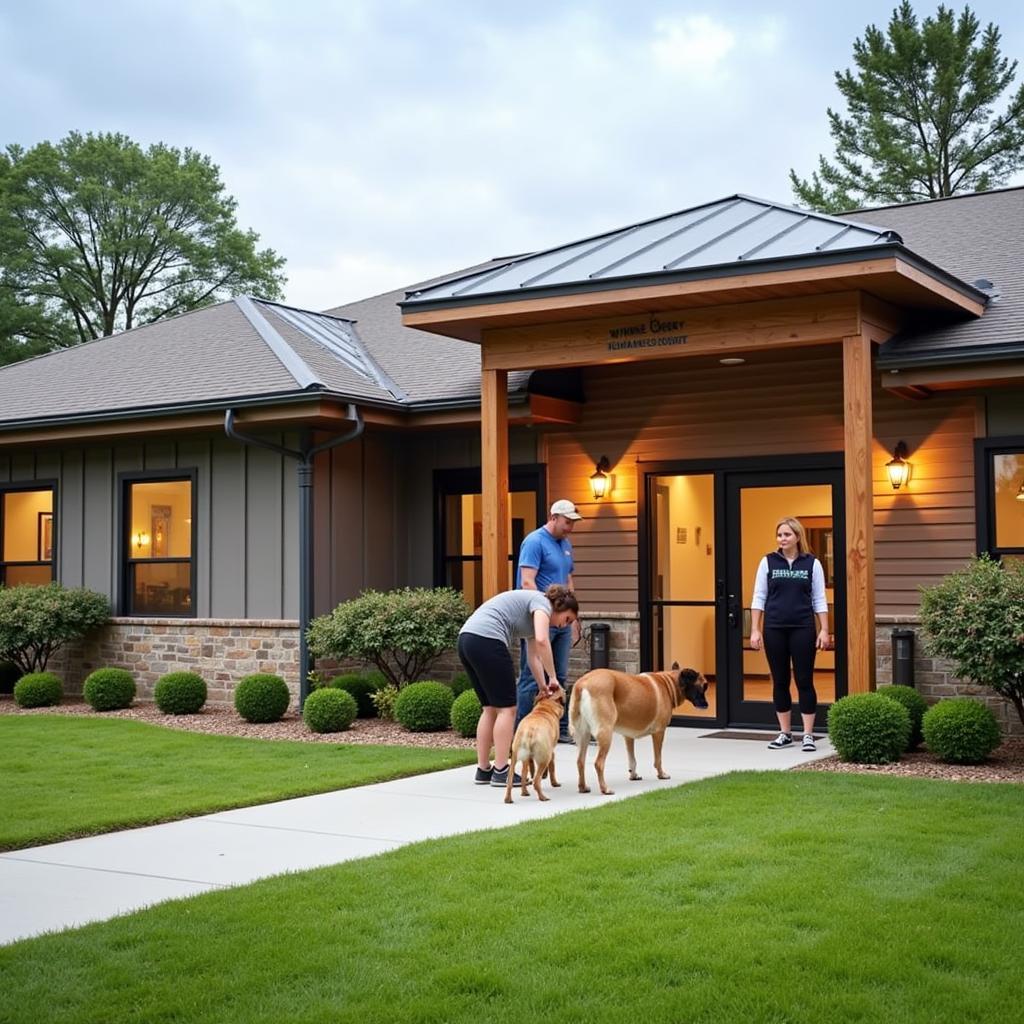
point(732, 361)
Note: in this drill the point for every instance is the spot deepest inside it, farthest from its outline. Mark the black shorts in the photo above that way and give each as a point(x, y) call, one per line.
point(488, 664)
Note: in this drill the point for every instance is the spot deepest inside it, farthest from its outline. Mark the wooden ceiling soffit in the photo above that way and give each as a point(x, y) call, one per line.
point(891, 278)
point(776, 323)
point(920, 383)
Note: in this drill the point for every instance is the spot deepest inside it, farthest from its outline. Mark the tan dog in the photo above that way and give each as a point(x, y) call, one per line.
point(534, 743)
point(605, 701)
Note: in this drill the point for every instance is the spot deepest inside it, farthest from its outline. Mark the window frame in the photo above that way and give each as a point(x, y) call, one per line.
point(469, 480)
point(126, 562)
point(985, 451)
point(48, 484)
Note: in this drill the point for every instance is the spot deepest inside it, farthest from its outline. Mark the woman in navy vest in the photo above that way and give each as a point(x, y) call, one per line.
point(789, 592)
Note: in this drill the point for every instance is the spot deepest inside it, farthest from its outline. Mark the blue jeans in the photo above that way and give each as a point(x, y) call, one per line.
point(526, 690)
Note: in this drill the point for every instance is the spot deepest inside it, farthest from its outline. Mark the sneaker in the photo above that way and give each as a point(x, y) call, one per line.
point(484, 775)
point(784, 739)
point(808, 747)
point(566, 738)
point(499, 777)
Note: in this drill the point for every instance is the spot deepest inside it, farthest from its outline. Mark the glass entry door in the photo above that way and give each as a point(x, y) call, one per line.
point(755, 503)
point(703, 535)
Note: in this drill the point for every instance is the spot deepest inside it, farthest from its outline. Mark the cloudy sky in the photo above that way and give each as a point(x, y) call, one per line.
point(374, 143)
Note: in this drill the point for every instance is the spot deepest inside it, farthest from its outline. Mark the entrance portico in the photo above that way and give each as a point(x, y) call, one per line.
point(825, 297)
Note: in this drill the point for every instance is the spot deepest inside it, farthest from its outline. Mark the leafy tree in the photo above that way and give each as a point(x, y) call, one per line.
point(35, 622)
point(975, 618)
point(921, 122)
point(98, 235)
point(402, 632)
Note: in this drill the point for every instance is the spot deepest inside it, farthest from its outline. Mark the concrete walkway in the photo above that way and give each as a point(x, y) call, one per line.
point(48, 888)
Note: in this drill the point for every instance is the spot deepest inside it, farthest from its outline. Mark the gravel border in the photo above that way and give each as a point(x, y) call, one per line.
point(1006, 764)
point(225, 721)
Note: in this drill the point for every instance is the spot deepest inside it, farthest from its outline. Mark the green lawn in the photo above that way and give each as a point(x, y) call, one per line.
point(75, 776)
point(747, 898)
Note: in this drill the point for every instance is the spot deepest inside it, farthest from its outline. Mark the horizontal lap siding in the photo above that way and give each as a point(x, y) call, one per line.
point(774, 404)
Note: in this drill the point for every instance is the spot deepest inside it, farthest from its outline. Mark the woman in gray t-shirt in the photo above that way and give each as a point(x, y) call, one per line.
point(484, 643)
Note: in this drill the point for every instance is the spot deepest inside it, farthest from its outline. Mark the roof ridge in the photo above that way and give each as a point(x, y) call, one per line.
point(287, 356)
point(937, 199)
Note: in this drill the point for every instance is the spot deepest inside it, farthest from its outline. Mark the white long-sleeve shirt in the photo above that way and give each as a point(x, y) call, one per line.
point(818, 600)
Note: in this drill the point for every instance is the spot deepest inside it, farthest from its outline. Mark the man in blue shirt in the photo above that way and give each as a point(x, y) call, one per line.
point(545, 557)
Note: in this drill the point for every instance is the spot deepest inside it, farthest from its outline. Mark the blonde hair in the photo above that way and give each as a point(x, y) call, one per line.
point(798, 528)
point(562, 599)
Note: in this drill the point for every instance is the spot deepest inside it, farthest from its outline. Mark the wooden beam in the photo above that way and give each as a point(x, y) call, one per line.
point(494, 473)
point(860, 572)
point(1006, 373)
point(737, 327)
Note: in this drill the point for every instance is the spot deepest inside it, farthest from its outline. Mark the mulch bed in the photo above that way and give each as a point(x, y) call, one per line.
point(225, 721)
point(1006, 764)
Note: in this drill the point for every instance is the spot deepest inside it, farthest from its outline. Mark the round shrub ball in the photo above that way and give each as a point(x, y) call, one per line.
point(961, 730)
point(460, 683)
point(424, 707)
point(180, 693)
point(916, 706)
point(466, 712)
point(38, 690)
point(109, 689)
point(867, 728)
point(262, 698)
point(362, 688)
point(329, 710)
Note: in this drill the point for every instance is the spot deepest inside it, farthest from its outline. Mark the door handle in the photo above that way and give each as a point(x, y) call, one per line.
point(733, 611)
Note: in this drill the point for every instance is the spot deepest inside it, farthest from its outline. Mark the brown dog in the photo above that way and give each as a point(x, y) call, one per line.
point(605, 701)
point(534, 743)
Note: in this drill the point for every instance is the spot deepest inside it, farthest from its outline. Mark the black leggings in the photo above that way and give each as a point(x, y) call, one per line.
point(795, 644)
point(488, 664)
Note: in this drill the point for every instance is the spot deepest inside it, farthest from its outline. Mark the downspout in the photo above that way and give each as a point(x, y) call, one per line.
point(304, 456)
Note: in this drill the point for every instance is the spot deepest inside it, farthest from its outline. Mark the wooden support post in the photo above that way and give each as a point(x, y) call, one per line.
point(494, 470)
point(860, 559)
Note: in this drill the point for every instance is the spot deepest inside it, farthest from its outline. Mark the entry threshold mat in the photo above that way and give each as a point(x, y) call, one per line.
point(730, 735)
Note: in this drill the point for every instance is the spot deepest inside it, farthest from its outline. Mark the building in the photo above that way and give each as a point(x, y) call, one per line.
point(720, 366)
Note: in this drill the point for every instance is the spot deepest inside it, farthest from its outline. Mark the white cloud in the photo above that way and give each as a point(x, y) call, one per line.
point(692, 45)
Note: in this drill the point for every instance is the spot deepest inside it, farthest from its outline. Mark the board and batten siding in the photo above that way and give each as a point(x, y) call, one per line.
point(778, 403)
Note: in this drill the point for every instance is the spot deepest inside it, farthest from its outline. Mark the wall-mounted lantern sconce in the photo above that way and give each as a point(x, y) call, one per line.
point(1020, 492)
point(140, 539)
point(600, 481)
point(897, 467)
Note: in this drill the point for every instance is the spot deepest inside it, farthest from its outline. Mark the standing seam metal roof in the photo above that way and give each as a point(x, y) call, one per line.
point(727, 231)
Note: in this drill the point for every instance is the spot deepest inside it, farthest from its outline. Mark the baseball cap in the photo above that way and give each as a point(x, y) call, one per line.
point(564, 507)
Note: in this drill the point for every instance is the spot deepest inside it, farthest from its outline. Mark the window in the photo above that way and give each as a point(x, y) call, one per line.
point(1000, 476)
point(458, 525)
point(159, 546)
point(27, 535)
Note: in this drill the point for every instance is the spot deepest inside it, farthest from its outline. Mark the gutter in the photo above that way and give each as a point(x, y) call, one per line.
point(951, 357)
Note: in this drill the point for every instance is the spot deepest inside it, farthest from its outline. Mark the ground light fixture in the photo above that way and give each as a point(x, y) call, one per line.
point(599, 481)
point(897, 467)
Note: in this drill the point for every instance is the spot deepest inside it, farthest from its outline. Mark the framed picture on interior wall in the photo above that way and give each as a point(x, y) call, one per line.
point(820, 539)
point(160, 530)
point(44, 535)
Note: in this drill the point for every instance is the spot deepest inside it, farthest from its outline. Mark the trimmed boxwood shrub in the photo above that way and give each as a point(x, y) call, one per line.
point(916, 706)
point(9, 675)
point(38, 690)
point(180, 693)
point(329, 709)
point(262, 697)
point(466, 713)
point(460, 683)
point(424, 707)
point(109, 689)
point(961, 730)
point(868, 728)
point(362, 688)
